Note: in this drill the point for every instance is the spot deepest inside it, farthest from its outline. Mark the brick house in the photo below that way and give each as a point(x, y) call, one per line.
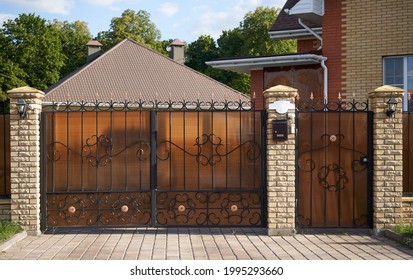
point(343, 46)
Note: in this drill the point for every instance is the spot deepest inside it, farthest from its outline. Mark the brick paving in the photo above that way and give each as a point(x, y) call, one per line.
point(204, 244)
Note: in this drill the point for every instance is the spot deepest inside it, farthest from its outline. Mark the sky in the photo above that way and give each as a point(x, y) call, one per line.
point(183, 19)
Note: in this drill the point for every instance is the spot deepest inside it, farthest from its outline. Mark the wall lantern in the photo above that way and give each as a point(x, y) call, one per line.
point(392, 103)
point(22, 108)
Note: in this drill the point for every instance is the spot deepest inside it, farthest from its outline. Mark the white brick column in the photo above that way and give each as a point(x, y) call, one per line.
point(280, 168)
point(388, 158)
point(25, 159)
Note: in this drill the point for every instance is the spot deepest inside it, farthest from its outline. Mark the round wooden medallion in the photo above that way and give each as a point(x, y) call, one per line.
point(181, 208)
point(124, 208)
point(234, 208)
point(71, 209)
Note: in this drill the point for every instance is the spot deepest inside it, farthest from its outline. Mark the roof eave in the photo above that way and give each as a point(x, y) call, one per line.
point(246, 65)
point(294, 34)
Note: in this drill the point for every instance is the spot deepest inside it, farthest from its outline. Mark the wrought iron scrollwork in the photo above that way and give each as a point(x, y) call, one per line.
point(252, 150)
point(98, 150)
point(208, 208)
point(306, 163)
point(96, 209)
point(338, 174)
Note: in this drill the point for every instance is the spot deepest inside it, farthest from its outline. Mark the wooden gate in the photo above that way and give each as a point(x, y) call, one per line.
point(106, 166)
point(334, 144)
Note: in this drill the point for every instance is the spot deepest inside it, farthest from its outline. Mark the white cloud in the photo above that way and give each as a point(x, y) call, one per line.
point(213, 22)
point(6, 17)
point(61, 7)
point(105, 3)
point(168, 9)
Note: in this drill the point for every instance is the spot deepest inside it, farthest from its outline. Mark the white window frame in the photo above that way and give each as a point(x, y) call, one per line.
point(405, 102)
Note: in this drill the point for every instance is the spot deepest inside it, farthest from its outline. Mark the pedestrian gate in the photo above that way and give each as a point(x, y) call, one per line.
point(334, 157)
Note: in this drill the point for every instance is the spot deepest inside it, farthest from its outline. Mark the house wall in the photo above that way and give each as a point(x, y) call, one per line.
point(333, 46)
point(309, 45)
point(373, 29)
point(257, 87)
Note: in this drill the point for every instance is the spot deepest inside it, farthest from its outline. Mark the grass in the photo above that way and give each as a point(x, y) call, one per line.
point(7, 230)
point(405, 230)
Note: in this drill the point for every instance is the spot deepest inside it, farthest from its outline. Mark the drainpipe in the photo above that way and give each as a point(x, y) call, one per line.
point(312, 32)
point(323, 65)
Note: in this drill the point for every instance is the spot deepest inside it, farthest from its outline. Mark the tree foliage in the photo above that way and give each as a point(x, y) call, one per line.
point(134, 25)
point(250, 38)
point(31, 52)
point(74, 37)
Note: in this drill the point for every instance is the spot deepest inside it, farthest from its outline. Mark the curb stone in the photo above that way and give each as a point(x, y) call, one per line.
point(12, 240)
point(398, 237)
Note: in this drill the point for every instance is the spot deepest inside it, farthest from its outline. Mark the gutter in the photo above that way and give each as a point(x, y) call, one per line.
point(293, 34)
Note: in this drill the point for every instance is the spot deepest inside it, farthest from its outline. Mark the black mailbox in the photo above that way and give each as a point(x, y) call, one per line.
point(280, 130)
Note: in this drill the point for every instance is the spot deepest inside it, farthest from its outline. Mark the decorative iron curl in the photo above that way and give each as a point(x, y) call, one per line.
point(332, 106)
point(253, 150)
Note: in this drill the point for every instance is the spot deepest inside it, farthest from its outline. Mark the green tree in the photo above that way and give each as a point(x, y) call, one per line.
point(134, 25)
point(250, 38)
point(74, 37)
point(199, 51)
point(32, 52)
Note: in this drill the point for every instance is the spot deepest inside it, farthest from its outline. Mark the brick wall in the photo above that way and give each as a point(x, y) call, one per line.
point(373, 29)
point(408, 210)
point(309, 45)
point(257, 87)
point(333, 31)
point(5, 210)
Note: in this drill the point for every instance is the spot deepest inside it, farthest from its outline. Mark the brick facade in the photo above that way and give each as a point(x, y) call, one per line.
point(373, 29)
point(333, 47)
point(307, 46)
point(257, 88)
point(25, 159)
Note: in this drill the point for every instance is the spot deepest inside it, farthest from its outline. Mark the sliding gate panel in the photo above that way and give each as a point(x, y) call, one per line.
point(153, 168)
point(209, 168)
point(334, 169)
point(97, 168)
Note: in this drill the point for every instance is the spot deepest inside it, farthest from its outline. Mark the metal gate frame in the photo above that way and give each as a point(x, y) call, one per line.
point(154, 108)
point(338, 107)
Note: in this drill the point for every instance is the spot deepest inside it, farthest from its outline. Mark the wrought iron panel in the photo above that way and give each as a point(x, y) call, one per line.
point(99, 209)
point(333, 168)
point(209, 208)
point(189, 168)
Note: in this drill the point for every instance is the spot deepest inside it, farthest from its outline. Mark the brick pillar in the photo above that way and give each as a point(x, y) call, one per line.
point(280, 168)
point(388, 158)
point(25, 159)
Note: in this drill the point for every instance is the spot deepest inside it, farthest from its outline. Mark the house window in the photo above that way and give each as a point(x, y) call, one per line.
point(398, 72)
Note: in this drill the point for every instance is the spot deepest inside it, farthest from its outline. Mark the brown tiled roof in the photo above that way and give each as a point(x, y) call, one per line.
point(94, 43)
point(287, 22)
point(132, 71)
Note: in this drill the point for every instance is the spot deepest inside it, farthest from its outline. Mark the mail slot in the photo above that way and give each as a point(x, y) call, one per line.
point(279, 130)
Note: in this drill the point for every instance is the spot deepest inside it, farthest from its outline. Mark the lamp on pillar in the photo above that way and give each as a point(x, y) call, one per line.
point(392, 105)
point(22, 108)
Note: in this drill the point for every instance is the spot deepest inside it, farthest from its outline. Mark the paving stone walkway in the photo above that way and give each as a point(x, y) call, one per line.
point(204, 244)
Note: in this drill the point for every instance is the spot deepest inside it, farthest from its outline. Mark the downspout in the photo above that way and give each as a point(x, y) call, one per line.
point(312, 32)
point(323, 65)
